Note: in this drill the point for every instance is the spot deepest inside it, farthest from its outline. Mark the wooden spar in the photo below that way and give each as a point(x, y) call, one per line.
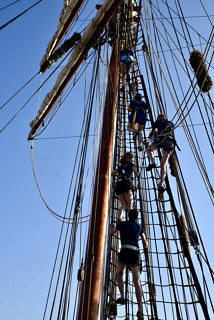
point(78, 55)
point(69, 21)
point(90, 294)
point(73, 8)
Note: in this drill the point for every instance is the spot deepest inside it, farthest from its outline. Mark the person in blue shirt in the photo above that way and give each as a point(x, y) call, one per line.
point(126, 60)
point(124, 187)
point(130, 232)
point(138, 115)
point(164, 138)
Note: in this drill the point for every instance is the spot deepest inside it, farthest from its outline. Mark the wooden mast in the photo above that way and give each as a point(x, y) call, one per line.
point(90, 294)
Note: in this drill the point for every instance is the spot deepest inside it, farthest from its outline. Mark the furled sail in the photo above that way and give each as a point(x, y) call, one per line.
point(68, 13)
point(79, 53)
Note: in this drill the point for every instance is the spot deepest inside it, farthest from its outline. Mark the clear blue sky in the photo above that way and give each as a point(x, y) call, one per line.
point(29, 234)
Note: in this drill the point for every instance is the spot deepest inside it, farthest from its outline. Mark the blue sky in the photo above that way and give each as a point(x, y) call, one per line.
point(29, 233)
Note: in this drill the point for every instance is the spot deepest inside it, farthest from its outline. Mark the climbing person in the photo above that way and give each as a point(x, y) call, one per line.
point(163, 134)
point(130, 232)
point(124, 187)
point(126, 60)
point(138, 110)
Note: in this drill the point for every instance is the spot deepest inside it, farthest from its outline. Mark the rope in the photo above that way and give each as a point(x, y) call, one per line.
point(18, 91)
point(66, 284)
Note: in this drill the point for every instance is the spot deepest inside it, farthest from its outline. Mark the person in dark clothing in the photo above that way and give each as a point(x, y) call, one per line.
point(130, 232)
point(138, 115)
point(124, 186)
point(164, 138)
point(126, 60)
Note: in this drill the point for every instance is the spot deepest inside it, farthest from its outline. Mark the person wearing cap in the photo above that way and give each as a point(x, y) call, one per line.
point(163, 133)
point(130, 232)
point(138, 115)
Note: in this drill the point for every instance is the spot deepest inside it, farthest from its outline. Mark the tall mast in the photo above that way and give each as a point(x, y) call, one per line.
point(90, 295)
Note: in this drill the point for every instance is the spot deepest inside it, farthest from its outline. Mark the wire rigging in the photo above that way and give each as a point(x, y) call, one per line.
point(19, 15)
point(10, 4)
